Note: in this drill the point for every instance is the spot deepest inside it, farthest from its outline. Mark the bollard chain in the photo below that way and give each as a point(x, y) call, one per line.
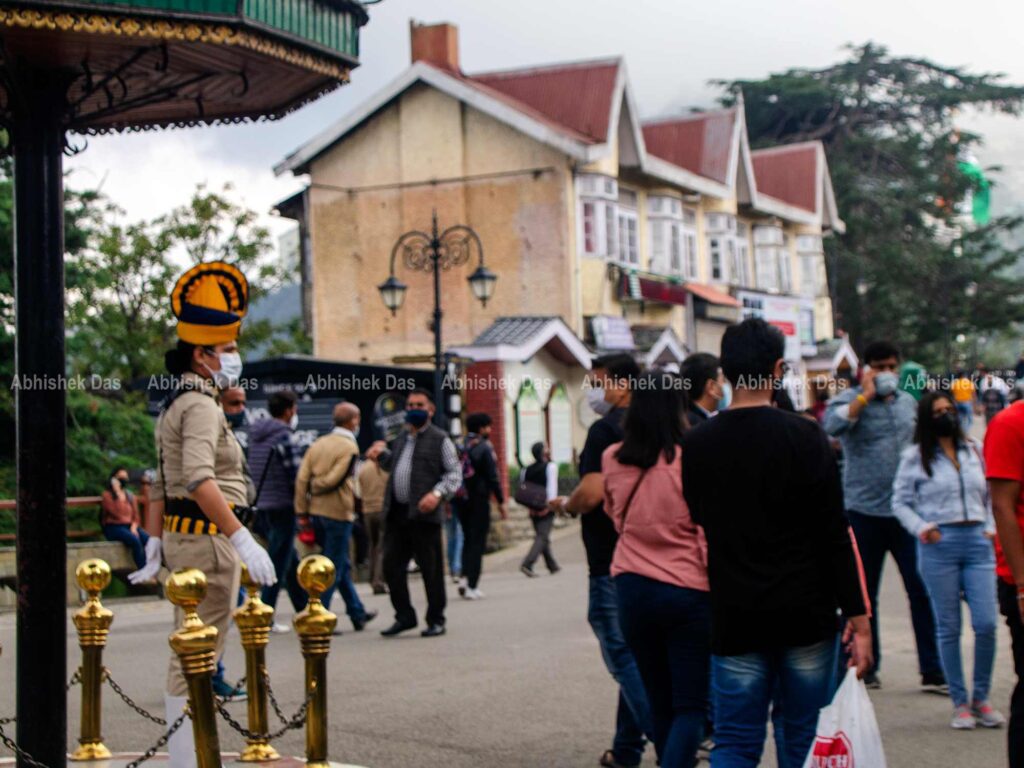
point(161, 742)
point(289, 724)
point(128, 700)
point(20, 753)
point(236, 687)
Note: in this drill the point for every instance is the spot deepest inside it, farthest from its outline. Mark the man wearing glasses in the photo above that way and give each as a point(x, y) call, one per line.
point(874, 423)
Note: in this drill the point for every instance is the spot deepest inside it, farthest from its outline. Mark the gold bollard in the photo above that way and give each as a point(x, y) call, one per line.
point(314, 626)
point(196, 646)
point(253, 620)
point(93, 624)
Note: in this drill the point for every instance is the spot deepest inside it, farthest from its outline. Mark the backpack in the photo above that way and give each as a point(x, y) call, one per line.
point(468, 469)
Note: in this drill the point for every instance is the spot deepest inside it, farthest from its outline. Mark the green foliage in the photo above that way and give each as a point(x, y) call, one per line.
point(118, 277)
point(889, 128)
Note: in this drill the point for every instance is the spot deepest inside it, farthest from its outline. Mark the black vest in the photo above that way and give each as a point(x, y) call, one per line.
point(537, 473)
point(427, 469)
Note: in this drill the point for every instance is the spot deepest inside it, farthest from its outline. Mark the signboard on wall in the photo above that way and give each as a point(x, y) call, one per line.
point(612, 332)
point(793, 316)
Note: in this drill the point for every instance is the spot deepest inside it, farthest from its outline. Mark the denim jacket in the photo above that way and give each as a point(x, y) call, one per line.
point(872, 445)
point(948, 496)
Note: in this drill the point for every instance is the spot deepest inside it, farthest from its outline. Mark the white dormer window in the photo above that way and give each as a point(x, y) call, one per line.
point(768, 253)
point(629, 228)
point(811, 259)
point(721, 232)
point(598, 215)
point(672, 231)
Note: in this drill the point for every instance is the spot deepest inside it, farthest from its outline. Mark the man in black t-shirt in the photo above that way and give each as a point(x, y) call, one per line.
point(765, 487)
point(608, 395)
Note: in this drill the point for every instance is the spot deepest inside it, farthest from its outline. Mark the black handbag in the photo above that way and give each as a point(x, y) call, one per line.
point(532, 495)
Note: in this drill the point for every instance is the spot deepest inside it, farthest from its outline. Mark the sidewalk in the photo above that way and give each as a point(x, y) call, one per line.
point(517, 682)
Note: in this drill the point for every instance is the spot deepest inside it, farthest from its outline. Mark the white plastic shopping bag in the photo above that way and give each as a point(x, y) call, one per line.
point(847, 734)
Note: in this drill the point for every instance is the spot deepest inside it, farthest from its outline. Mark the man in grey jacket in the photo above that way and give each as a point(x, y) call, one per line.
point(874, 423)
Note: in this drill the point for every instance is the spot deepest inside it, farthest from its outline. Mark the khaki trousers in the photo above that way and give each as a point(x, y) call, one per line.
point(217, 559)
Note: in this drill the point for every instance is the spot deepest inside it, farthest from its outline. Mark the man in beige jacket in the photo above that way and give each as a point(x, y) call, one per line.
point(324, 492)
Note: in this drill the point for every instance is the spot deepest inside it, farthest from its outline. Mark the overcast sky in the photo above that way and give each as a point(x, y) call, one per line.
point(672, 49)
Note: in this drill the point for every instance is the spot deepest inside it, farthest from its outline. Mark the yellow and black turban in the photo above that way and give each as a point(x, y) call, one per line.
point(210, 301)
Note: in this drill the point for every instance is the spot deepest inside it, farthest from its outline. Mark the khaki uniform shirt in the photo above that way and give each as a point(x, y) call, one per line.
point(323, 466)
point(197, 445)
point(372, 482)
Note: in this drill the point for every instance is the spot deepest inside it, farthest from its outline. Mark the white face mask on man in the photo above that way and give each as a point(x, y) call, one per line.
point(230, 372)
point(596, 401)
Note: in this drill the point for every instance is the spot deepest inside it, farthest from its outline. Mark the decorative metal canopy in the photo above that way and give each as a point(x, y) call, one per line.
point(136, 64)
point(92, 66)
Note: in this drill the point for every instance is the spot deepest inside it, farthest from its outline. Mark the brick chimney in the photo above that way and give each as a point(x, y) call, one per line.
point(436, 44)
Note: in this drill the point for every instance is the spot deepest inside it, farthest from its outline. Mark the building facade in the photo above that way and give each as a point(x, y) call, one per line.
point(633, 233)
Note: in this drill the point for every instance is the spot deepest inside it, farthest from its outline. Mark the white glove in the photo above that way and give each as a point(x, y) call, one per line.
point(154, 558)
point(255, 557)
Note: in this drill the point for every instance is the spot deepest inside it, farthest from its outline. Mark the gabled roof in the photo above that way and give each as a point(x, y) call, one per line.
point(702, 142)
point(796, 175)
point(578, 95)
point(580, 108)
point(517, 339)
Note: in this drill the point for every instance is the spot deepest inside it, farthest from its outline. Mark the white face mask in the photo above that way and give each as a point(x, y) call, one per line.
point(886, 383)
point(596, 401)
point(293, 422)
point(230, 372)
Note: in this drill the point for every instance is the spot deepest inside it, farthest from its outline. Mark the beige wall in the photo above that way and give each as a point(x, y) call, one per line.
point(521, 220)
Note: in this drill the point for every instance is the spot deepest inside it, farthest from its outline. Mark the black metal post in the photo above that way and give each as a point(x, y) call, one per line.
point(441, 416)
point(40, 102)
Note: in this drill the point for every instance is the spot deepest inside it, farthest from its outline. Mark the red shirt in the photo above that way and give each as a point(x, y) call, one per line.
point(1004, 460)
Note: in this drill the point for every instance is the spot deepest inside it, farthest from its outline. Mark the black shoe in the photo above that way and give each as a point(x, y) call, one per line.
point(397, 628)
point(872, 682)
point(368, 616)
point(528, 571)
point(608, 761)
point(934, 682)
point(434, 630)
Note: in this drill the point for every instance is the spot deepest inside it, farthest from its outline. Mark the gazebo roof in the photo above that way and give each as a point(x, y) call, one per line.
point(147, 63)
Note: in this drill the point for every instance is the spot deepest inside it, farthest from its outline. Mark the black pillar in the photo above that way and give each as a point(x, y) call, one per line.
point(39, 102)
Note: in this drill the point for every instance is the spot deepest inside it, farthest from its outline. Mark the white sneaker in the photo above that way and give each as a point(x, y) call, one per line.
point(463, 587)
point(986, 716)
point(478, 594)
point(279, 629)
point(963, 720)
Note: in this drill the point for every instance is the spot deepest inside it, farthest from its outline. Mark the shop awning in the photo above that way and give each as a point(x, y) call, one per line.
point(712, 295)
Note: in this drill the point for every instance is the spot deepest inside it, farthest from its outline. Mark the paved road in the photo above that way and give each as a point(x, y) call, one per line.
point(518, 682)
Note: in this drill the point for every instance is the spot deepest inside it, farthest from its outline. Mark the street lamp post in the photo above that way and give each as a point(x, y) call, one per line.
point(436, 252)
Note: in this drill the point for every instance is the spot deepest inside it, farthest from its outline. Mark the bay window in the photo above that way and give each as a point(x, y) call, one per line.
point(597, 198)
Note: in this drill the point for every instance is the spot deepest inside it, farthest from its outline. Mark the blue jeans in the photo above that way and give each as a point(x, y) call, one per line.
point(742, 687)
point(963, 561)
point(280, 532)
point(875, 537)
point(135, 542)
point(453, 537)
point(334, 536)
point(668, 628)
point(633, 719)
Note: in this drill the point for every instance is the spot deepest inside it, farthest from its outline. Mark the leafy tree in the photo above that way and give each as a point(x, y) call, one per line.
point(118, 277)
point(888, 124)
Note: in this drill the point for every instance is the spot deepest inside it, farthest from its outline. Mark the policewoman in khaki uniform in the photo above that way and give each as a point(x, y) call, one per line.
point(200, 491)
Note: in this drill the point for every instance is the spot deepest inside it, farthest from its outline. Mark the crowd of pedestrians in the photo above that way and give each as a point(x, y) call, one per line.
point(734, 569)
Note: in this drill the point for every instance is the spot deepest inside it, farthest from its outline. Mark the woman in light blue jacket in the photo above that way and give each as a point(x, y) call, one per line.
point(940, 496)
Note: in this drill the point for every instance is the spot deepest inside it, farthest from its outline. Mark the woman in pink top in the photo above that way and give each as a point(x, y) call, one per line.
point(660, 566)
